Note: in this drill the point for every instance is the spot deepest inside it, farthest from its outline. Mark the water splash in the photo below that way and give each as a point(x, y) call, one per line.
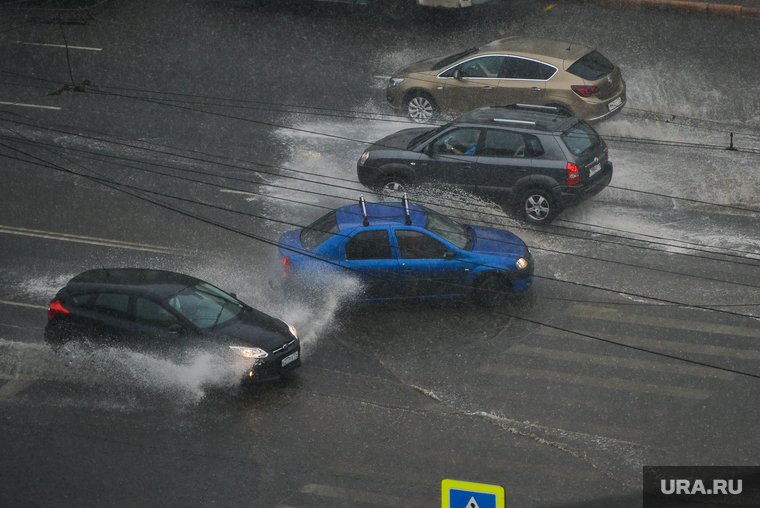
point(77, 362)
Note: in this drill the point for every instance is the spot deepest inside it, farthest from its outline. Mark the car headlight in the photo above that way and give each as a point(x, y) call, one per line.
point(293, 331)
point(250, 352)
point(521, 264)
point(395, 82)
point(364, 157)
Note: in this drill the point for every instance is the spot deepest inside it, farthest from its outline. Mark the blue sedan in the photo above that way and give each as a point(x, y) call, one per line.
point(402, 250)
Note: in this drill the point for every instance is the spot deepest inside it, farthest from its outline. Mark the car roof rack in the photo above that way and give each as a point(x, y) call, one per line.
point(509, 120)
point(365, 222)
point(407, 215)
point(537, 107)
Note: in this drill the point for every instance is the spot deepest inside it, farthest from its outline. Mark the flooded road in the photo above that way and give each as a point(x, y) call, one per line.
point(209, 129)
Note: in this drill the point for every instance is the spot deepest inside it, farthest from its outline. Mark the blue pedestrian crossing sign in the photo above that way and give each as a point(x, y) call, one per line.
point(456, 494)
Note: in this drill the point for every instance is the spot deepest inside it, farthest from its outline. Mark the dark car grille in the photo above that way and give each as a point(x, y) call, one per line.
point(284, 347)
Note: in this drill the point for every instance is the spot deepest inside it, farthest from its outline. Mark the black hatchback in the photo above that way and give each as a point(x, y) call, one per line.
point(539, 158)
point(170, 314)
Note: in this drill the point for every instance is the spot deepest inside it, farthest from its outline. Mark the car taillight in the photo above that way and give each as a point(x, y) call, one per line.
point(55, 309)
point(286, 266)
point(573, 175)
point(584, 90)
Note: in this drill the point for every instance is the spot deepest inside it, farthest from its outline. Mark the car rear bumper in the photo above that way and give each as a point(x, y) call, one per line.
point(571, 195)
point(602, 111)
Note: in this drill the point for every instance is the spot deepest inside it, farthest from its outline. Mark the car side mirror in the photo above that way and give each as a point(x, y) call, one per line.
point(450, 254)
point(457, 74)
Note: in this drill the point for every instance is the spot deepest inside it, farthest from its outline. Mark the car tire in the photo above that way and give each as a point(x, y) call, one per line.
point(393, 186)
point(420, 107)
point(537, 206)
point(491, 290)
point(55, 335)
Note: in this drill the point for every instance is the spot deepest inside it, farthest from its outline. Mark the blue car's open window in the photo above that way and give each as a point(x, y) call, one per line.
point(417, 245)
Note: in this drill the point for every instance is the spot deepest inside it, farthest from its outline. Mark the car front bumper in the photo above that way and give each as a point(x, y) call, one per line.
point(277, 364)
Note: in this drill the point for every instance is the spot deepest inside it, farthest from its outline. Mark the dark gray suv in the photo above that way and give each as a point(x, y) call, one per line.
point(537, 158)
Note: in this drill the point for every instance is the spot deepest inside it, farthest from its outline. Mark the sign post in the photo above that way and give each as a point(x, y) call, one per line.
point(456, 494)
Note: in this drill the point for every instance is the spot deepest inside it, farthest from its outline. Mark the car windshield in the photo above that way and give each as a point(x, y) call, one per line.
point(319, 232)
point(443, 62)
point(205, 306)
point(425, 136)
point(448, 229)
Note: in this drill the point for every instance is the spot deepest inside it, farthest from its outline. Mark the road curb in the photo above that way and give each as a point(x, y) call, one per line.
point(731, 11)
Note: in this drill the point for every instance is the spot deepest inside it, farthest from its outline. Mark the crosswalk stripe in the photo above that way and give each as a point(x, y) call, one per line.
point(13, 387)
point(619, 362)
point(20, 304)
point(599, 382)
point(619, 316)
point(65, 237)
point(352, 495)
point(661, 345)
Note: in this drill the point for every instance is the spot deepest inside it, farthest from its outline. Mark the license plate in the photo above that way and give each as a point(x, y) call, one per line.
point(290, 358)
point(594, 170)
point(612, 106)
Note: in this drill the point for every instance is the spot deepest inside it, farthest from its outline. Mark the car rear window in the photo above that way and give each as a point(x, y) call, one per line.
point(580, 138)
point(591, 66)
point(319, 232)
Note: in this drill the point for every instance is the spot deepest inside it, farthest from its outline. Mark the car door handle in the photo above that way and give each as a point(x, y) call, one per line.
point(465, 166)
point(535, 89)
point(487, 87)
point(408, 268)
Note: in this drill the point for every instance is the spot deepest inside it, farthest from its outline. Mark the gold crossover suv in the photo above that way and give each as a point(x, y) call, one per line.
point(513, 70)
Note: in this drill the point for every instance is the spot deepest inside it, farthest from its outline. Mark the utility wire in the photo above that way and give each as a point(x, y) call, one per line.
point(354, 189)
point(120, 188)
point(323, 258)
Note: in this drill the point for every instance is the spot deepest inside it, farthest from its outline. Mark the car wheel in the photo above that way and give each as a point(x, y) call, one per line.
point(537, 206)
point(393, 186)
point(491, 290)
point(420, 107)
point(55, 336)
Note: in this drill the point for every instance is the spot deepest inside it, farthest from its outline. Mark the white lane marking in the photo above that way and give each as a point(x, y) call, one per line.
point(666, 345)
point(619, 362)
point(65, 237)
point(21, 104)
point(8, 302)
point(57, 46)
point(352, 495)
point(231, 191)
point(617, 316)
point(609, 383)
point(13, 387)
